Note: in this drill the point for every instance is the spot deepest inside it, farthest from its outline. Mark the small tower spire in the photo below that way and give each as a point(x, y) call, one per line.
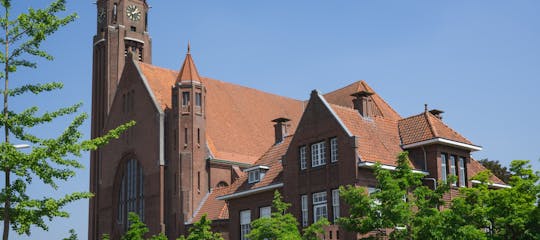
point(188, 72)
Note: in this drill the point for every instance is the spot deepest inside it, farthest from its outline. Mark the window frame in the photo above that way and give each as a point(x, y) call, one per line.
point(320, 205)
point(318, 154)
point(452, 161)
point(265, 211)
point(302, 151)
point(245, 226)
point(335, 204)
point(333, 150)
point(462, 172)
point(254, 176)
point(186, 98)
point(304, 209)
point(444, 171)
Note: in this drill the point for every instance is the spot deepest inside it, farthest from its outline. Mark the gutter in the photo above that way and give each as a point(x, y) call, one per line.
point(496, 185)
point(249, 192)
point(387, 167)
point(445, 142)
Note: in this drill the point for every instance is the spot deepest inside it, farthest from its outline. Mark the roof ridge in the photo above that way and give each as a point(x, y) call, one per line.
point(335, 90)
point(410, 117)
point(203, 201)
point(451, 129)
point(430, 124)
point(364, 83)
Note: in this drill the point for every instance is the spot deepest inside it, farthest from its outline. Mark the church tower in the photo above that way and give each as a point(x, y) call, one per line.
point(122, 26)
point(188, 167)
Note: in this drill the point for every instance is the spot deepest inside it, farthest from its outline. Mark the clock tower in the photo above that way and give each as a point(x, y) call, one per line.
point(122, 27)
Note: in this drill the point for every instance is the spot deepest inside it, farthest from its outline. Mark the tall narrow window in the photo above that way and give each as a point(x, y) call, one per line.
point(185, 136)
point(265, 211)
point(198, 136)
point(333, 150)
point(318, 154)
point(198, 99)
point(303, 162)
point(115, 12)
point(245, 224)
point(304, 205)
point(443, 167)
point(185, 101)
point(462, 177)
point(131, 193)
point(320, 209)
point(335, 203)
point(453, 167)
point(185, 98)
point(199, 182)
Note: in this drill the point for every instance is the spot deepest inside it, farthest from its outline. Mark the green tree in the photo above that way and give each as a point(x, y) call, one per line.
point(508, 213)
point(283, 225)
point(202, 230)
point(390, 206)
point(50, 160)
point(137, 229)
point(497, 169)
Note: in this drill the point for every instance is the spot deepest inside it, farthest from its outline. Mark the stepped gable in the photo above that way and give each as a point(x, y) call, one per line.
point(426, 126)
point(342, 97)
point(238, 118)
point(274, 175)
point(378, 138)
point(213, 208)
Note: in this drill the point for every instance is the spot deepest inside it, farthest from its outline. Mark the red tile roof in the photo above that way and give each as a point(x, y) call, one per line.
point(378, 138)
point(475, 167)
point(271, 159)
point(343, 98)
point(238, 123)
point(426, 126)
point(213, 208)
point(188, 72)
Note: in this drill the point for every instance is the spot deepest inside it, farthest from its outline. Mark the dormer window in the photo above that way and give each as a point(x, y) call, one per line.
point(256, 174)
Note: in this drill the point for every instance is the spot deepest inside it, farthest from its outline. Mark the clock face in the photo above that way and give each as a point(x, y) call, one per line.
point(133, 13)
point(101, 15)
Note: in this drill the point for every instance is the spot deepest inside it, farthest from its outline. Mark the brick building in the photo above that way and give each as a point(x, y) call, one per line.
point(204, 146)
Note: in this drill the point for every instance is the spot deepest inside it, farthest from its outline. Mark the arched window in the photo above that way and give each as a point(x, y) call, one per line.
point(222, 184)
point(131, 193)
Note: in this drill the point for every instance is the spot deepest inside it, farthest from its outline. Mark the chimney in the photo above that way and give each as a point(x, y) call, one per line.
point(437, 113)
point(362, 103)
point(280, 129)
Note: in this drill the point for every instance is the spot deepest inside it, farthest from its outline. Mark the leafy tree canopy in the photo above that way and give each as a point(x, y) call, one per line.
point(50, 159)
point(283, 225)
point(402, 208)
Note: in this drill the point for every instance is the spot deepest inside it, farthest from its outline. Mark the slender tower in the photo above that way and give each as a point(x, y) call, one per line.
point(121, 25)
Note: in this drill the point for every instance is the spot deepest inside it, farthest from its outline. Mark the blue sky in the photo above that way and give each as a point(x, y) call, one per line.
point(476, 60)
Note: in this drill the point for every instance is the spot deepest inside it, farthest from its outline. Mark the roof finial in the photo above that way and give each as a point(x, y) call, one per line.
point(425, 107)
point(188, 48)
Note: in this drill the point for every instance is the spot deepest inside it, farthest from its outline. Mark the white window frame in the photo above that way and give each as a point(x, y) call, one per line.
point(453, 167)
point(444, 170)
point(461, 166)
point(303, 160)
point(320, 207)
point(333, 150)
point(254, 176)
point(318, 157)
point(335, 204)
point(265, 211)
point(245, 224)
point(305, 211)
